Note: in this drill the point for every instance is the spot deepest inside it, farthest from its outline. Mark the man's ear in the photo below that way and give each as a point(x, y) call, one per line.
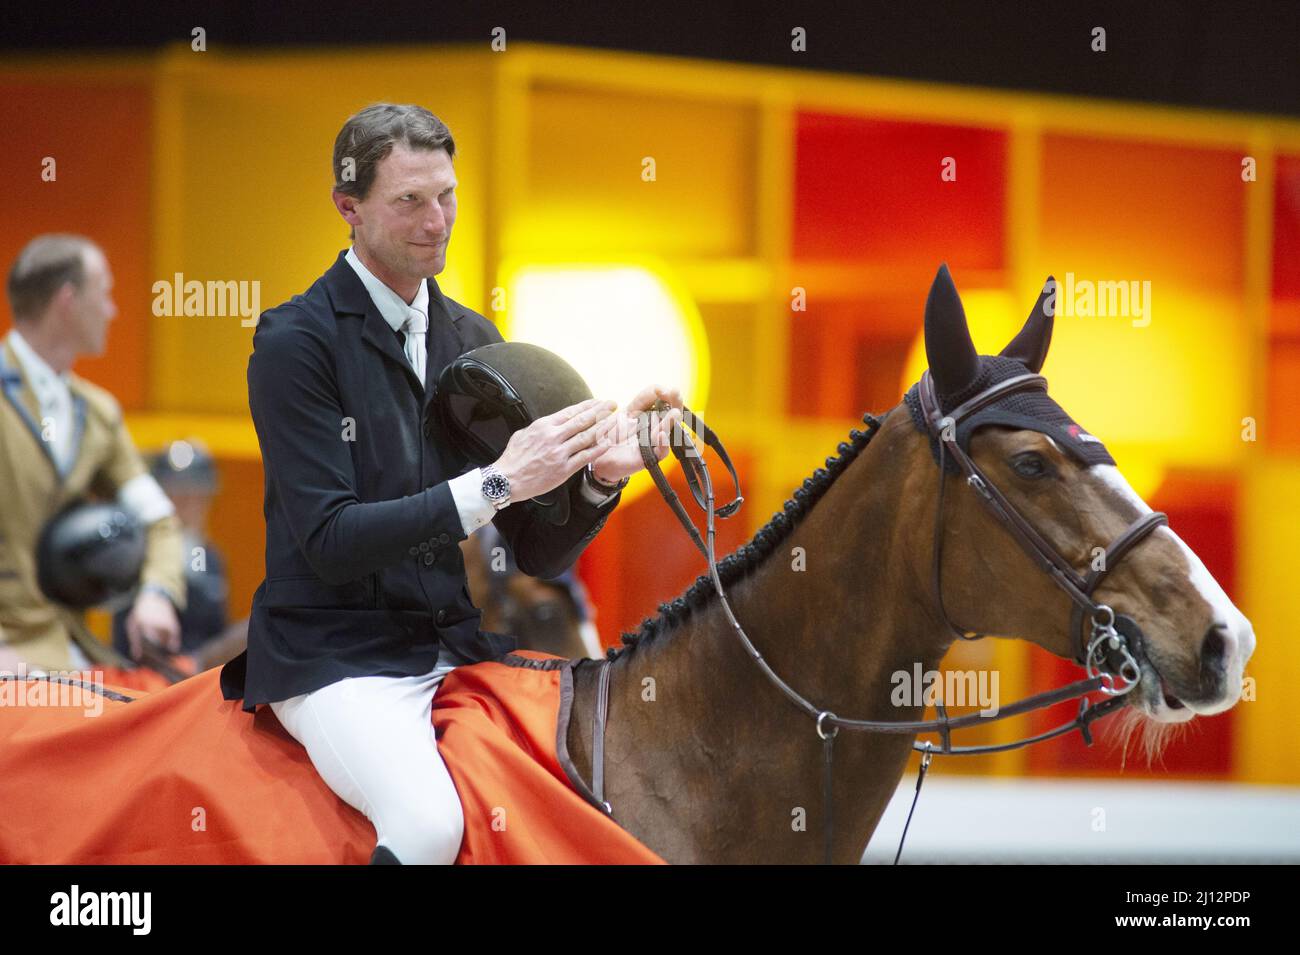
point(347, 207)
point(63, 300)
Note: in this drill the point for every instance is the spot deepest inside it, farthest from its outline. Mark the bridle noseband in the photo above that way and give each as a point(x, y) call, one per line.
point(1105, 653)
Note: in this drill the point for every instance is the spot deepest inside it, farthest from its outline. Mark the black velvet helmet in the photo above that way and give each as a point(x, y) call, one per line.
point(488, 394)
point(88, 554)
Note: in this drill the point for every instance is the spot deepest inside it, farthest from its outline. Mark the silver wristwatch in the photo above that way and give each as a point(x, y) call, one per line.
point(496, 488)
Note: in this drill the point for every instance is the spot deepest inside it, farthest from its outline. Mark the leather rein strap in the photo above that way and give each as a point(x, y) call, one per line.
point(1105, 640)
point(693, 467)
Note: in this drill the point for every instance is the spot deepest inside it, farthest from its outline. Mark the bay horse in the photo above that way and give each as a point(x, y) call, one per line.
point(703, 759)
point(550, 616)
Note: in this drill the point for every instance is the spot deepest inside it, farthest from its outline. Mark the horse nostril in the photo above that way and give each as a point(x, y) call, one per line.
point(1214, 648)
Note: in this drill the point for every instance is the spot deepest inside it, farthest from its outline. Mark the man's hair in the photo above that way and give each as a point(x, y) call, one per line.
point(369, 136)
point(45, 265)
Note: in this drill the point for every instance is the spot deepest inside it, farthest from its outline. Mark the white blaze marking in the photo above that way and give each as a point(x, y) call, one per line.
point(1239, 637)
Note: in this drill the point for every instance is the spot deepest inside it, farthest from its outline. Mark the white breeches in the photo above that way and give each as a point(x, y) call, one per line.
point(371, 739)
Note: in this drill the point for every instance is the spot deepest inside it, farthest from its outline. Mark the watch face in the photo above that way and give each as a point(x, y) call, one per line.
point(496, 487)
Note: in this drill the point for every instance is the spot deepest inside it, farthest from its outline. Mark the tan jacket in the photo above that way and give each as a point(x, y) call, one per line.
point(32, 491)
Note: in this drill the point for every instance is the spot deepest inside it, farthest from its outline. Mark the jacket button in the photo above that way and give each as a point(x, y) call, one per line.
point(414, 551)
point(441, 617)
point(424, 547)
point(428, 427)
point(443, 538)
point(428, 559)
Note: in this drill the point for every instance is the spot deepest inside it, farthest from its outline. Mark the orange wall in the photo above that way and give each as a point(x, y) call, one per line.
point(101, 140)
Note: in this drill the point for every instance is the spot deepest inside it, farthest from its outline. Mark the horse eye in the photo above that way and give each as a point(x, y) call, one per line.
point(1030, 465)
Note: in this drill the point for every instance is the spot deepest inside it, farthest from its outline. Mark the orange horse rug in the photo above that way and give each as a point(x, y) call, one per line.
point(99, 774)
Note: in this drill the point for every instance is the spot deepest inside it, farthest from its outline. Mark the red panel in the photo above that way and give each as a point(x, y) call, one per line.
point(808, 336)
point(1286, 228)
point(1282, 428)
point(1168, 212)
point(872, 190)
point(878, 372)
point(643, 556)
point(101, 142)
point(237, 527)
point(847, 357)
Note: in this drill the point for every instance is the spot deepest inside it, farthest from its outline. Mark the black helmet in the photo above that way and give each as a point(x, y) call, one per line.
point(88, 554)
point(488, 394)
point(186, 464)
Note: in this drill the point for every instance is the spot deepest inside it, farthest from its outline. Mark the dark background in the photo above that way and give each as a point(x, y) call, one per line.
point(1225, 54)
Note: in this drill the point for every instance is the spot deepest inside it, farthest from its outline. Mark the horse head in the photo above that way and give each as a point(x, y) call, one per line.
point(1192, 642)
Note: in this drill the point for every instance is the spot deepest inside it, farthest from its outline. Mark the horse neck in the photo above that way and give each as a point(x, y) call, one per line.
point(691, 712)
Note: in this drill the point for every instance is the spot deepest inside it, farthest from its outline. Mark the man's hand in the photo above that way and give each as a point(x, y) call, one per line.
point(152, 618)
point(542, 456)
point(622, 455)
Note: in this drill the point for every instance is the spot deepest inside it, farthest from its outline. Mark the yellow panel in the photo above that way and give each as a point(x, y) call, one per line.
point(226, 436)
point(585, 192)
point(1268, 750)
point(734, 391)
point(1176, 388)
point(244, 189)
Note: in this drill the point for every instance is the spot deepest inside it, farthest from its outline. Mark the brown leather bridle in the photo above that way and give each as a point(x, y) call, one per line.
point(1078, 588)
point(1105, 653)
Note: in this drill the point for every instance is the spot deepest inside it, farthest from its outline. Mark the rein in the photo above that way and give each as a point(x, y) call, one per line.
point(1106, 642)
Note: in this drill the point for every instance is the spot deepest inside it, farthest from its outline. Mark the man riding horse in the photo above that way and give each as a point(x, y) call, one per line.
point(363, 609)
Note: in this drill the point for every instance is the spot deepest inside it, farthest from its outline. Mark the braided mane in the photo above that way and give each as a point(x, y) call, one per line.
point(748, 556)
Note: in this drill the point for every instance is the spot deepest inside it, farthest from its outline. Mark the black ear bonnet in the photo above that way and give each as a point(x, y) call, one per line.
point(1031, 409)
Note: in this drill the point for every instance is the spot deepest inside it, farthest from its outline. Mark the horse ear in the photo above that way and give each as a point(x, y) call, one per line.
point(1031, 342)
point(948, 346)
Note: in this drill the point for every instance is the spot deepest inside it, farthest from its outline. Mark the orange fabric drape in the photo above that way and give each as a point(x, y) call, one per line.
point(181, 775)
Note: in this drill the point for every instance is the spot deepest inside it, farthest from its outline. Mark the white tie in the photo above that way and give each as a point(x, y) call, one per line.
point(415, 327)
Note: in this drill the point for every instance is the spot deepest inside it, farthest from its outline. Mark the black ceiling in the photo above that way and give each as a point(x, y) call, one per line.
point(1228, 55)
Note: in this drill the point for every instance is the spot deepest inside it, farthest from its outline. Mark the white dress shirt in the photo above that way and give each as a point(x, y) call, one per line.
point(467, 490)
point(54, 397)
